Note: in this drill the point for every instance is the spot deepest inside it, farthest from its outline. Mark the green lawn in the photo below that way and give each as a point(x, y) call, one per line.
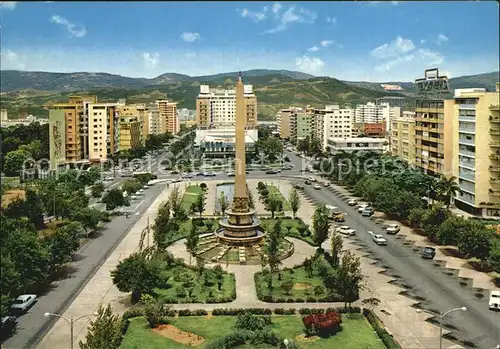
point(291, 226)
point(201, 292)
point(356, 333)
point(273, 190)
point(190, 196)
point(304, 286)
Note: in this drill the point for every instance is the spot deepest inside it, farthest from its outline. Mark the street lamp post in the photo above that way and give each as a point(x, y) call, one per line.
point(71, 321)
point(286, 342)
point(441, 317)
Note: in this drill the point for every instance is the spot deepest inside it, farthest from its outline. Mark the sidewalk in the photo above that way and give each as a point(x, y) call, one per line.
point(100, 289)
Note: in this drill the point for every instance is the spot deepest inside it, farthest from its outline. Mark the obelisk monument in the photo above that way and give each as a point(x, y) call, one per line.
point(240, 199)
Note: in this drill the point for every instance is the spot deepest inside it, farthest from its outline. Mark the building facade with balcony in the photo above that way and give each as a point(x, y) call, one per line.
point(220, 142)
point(130, 132)
point(168, 120)
point(402, 138)
point(303, 125)
point(217, 107)
point(336, 145)
point(476, 160)
point(286, 120)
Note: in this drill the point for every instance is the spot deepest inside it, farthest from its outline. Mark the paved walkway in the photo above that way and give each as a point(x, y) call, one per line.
point(479, 279)
point(100, 289)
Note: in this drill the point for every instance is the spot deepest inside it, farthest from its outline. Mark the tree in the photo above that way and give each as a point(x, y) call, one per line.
point(104, 332)
point(219, 276)
point(494, 257)
point(272, 249)
point(113, 198)
point(448, 189)
point(223, 202)
point(162, 226)
point(88, 217)
point(336, 244)
point(15, 161)
point(154, 310)
point(63, 243)
point(200, 265)
point(192, 241)
point(131, 186)
point(97, 190)
point(136, 274)
point(287, 287)
point(349, 277)
point(274, 205)
point(294, 200)
point(476, 242)
point(175, 201)
point(449, 231)
point(199, 204)
point(321, 226)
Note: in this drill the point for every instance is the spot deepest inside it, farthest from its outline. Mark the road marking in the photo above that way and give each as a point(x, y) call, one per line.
point(140, 203)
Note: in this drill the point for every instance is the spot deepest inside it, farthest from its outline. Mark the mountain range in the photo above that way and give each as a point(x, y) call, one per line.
point(26, 92)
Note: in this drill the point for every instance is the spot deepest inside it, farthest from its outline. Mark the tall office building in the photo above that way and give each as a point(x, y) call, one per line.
point(333, 122)
point(168, 120)
point(286, 120)
point(137, 114)
point(217, 107)
point(433, 131)
point(104, 133)
point(476, 153)
point(303, 125)
point(402, 139)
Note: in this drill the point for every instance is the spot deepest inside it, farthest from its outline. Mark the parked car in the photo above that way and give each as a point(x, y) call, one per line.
point(428, 252)
point(346, 230)
point(317, 187)
point(208, 174)
point(367, 212)
point(361, 208)
point(392, 229)
point(312, 179)
point(23, 303)
point(307, 182)
point(326, 184)
point(494, 303)
point(298, 186)
point(8, 324)
point(271, 172)
point(230, 173)
point(379, 239)
point(352, 202)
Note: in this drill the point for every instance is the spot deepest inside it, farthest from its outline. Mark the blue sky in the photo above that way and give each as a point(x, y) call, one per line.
point(371, 41)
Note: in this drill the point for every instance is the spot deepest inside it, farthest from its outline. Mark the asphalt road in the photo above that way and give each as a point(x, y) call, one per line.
point(478, 325)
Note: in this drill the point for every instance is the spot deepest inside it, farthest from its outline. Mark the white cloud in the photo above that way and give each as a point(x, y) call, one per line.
point(393, 48)
point(309, 64)
point(254, 16)
point(421, 58)
point(276, 8)
point(326, 43)
point(290, 17)
point(151, 59)
point(76, 30)
point(423, 41)
point(332, 20)
point(9, 55)
point(8, 5)
point(190, 37)
point(313, 49)
point(441, 38)
point(11, 58)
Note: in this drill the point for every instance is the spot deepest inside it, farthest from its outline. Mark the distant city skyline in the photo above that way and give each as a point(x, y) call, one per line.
point(357, 41)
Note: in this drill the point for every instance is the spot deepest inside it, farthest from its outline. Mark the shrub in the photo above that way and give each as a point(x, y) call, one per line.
point(319, 290)
point(180, 291)
point(386, 338)
point(203, 186)
point(248, 321)
point(135, 312)
point(299, 300)
point(196, 312)
point(264, 192)
point(260, 185)
point(279, 311)
point(311, 299)
point(322, 324)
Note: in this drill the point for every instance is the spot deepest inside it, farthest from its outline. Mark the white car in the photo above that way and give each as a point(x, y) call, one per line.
point(312, 179)
point(346, 230)
point(317, 187)
point(352, 202)
point(23, 303)
point(494, 303)
point(392, 229)
point(361, 208)
point(379, 239)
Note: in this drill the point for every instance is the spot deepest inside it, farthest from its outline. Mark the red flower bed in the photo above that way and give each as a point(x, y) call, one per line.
point(322, 324)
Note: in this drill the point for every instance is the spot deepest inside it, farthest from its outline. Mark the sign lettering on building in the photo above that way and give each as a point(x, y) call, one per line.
point(432, 83)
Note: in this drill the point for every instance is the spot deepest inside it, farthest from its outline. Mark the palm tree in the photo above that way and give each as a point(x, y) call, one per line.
point(448, 188)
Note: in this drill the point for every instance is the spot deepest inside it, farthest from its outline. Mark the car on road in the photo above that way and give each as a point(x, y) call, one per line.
point(317, 187)
point(494, 302)
point(362, 207)
point(392, 229)
point(7, 325)
point(367, 212)
point(271, 172)
point(298, 186)
point(379, 239)
point(198, 174)
point(23, 303)
point(230, 173)
point(209, 174)
point(346, 230)
point(307, 182)
point(428, 252)
point(312, 179)
point(352, 202)
point(326, 184)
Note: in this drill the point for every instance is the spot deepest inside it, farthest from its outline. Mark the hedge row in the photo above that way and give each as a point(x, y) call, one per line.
point(327, 299)
point(387, 339)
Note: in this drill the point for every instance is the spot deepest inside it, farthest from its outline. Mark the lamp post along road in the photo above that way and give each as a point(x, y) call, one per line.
point(71, 321)
point(441, 317)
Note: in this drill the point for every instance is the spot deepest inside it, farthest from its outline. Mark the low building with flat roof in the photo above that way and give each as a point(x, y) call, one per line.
point(335, 145)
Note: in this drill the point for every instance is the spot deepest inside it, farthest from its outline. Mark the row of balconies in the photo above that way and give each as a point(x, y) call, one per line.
point(494, 106)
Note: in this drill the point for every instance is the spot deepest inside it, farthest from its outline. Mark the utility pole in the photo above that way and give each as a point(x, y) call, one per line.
point(148, 233)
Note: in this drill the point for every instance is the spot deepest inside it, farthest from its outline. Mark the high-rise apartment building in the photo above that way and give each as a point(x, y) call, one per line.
point(136, 113)
point(103, 129)
point(130, 132)
point(303, 125)
point(217, 107)
point(476, 153)
point(64, 134)
point(168, 120)
point(286, 120)
point(402, 140)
